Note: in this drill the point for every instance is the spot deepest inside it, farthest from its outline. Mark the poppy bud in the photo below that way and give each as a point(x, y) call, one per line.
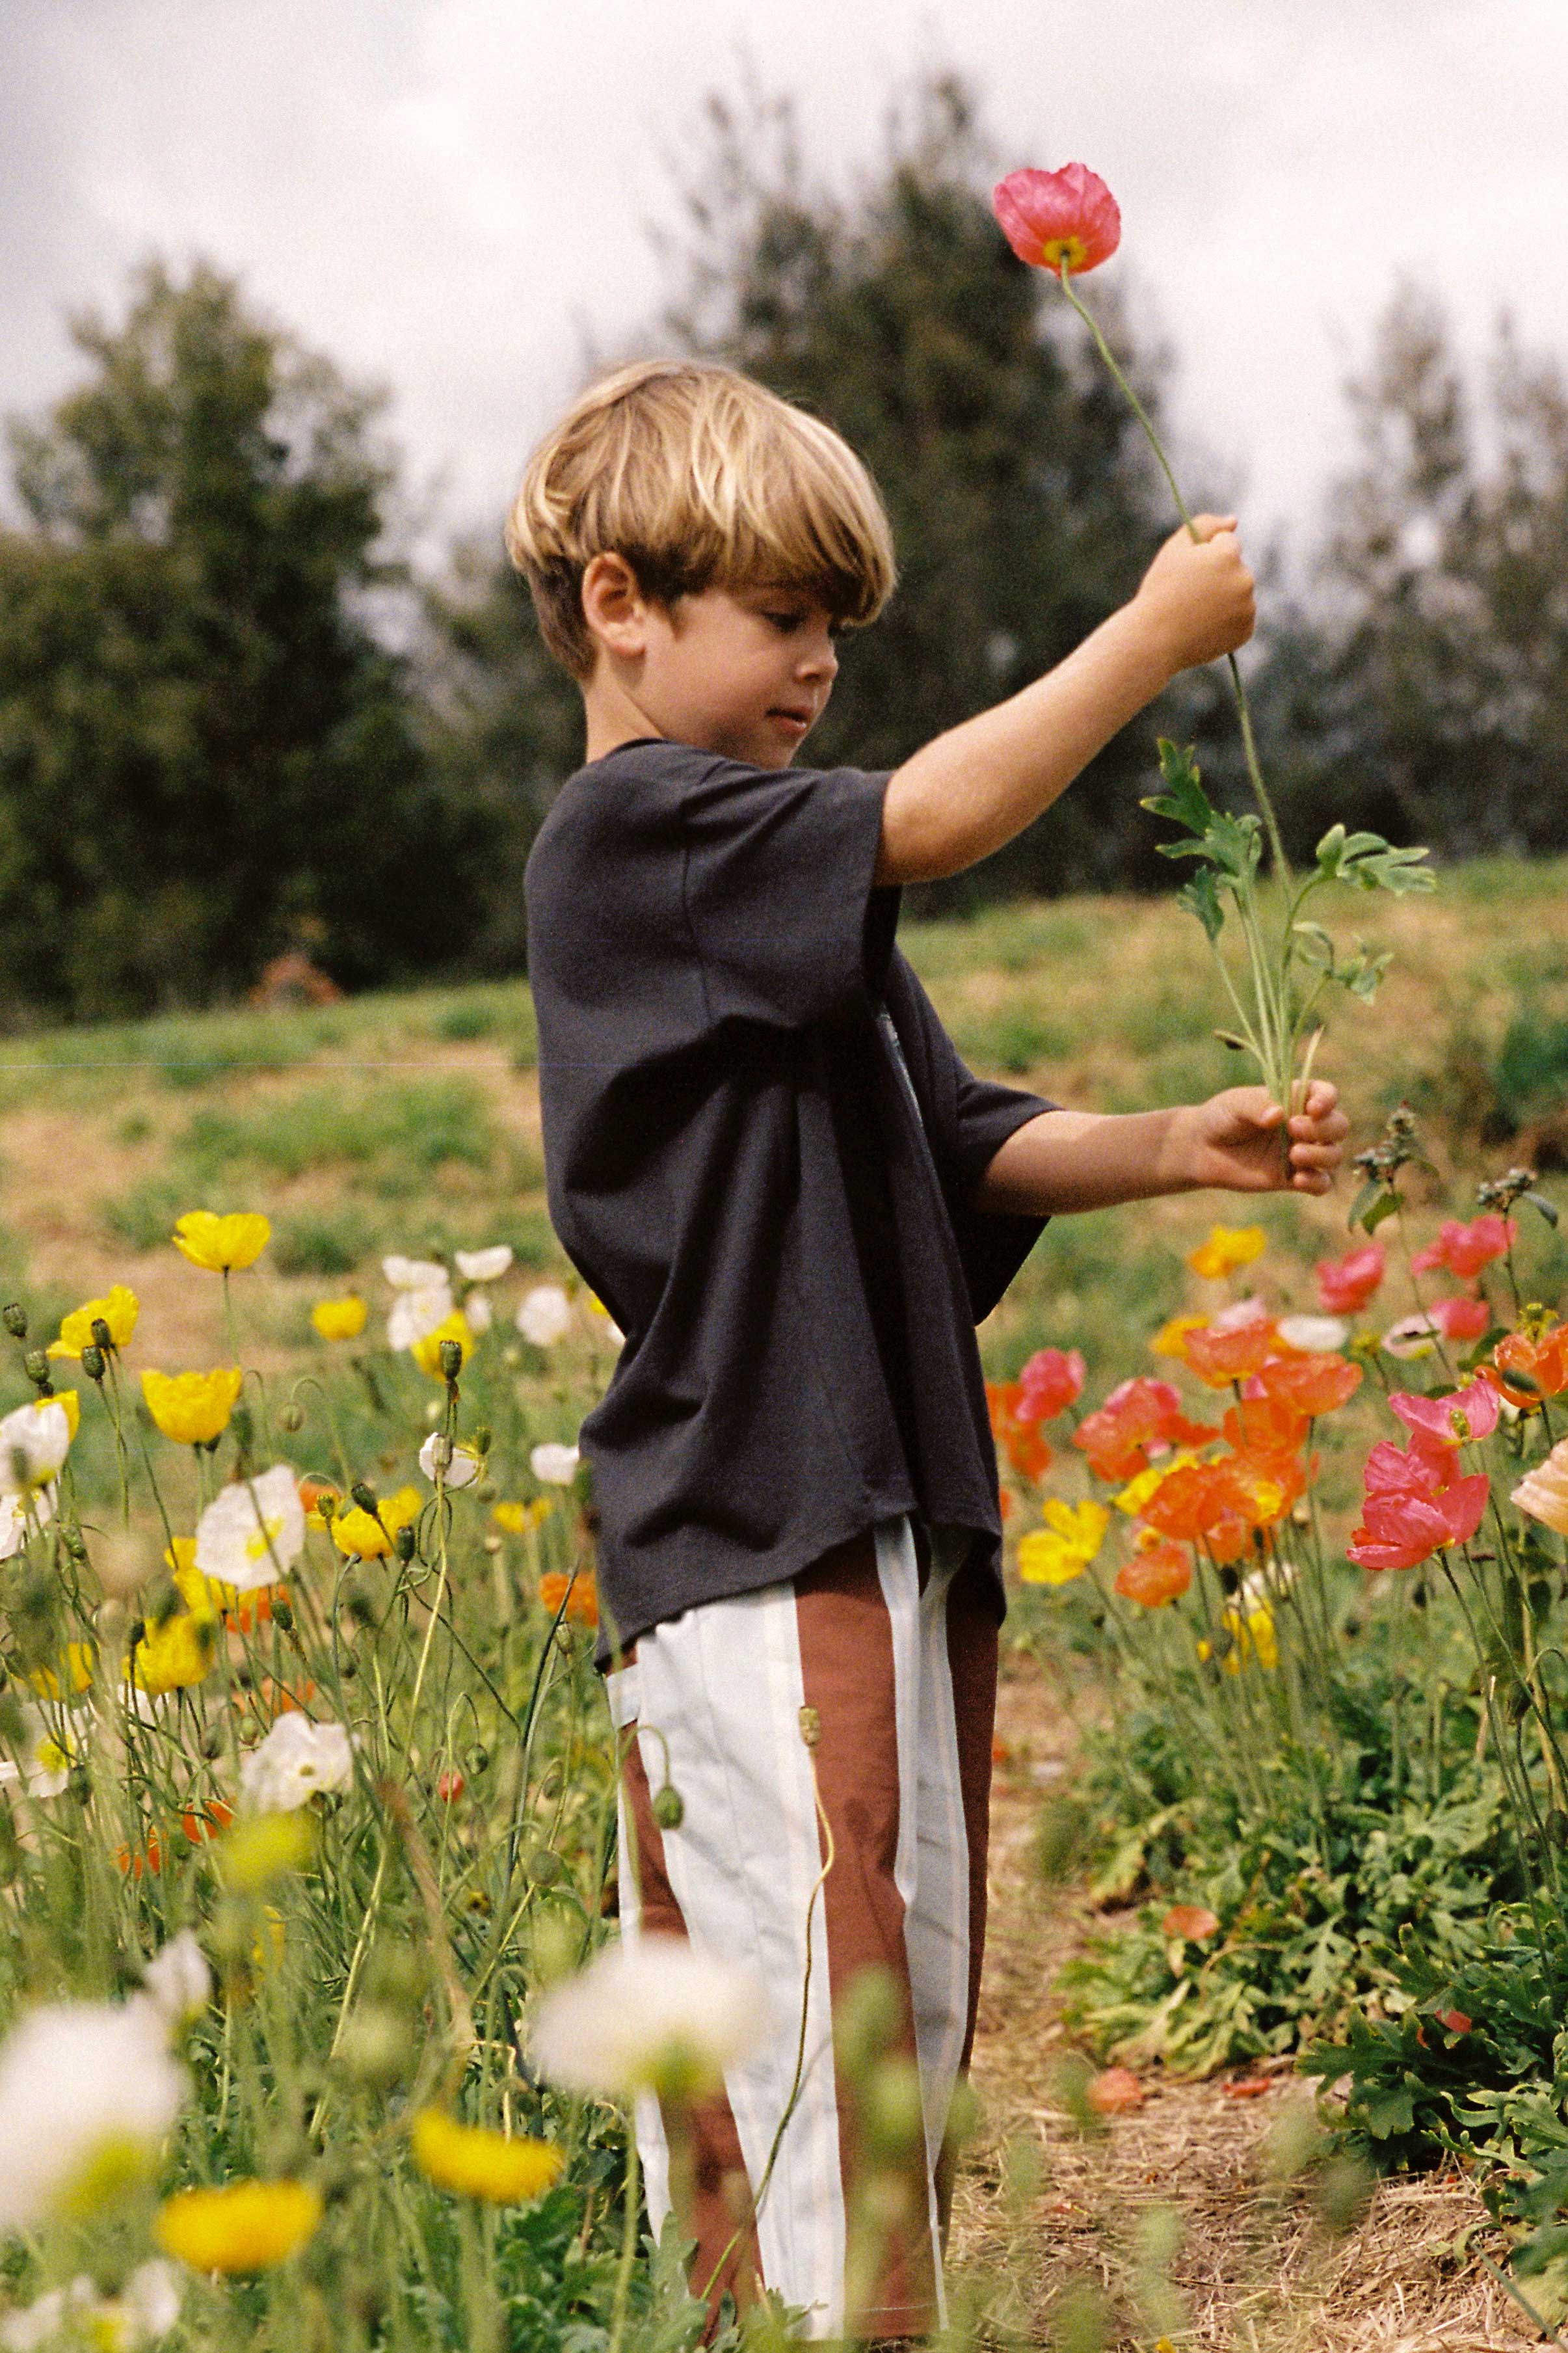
point(289, 1418)
point(72, 1546)
point(36, 1365)
point(136, 1633)
point(14, 1315)
point(668, 1808)
point(93, 1363)
point(348, 1668)
point(403, 1544)
point(282, 1616)
point(366, 1497)
point(80, 1785)
point(477, 1760)
point(451, 1361)
point(483, 1439)
point(544, 1866)
point(103, 1336)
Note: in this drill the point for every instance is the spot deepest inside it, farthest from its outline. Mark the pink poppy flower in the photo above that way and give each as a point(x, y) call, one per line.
point(1465, 1250)
point(1459, 1419)
point(1050, 1381)
point(1049, 217)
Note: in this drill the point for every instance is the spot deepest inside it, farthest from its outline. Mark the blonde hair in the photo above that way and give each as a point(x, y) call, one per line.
point(700, 478)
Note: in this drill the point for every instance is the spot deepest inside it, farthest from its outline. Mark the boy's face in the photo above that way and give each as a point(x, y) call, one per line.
point(745, 673)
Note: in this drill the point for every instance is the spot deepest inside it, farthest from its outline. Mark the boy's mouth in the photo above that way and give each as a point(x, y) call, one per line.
point(799, 720)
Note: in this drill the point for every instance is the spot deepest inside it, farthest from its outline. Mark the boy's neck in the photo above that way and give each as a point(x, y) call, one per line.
point(611, 718)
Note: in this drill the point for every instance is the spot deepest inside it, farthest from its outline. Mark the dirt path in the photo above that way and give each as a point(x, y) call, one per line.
point(1170, 2215)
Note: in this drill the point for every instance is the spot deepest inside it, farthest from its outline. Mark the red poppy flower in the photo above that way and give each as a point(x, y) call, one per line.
point(1462, 1317)
point(1049, 217)
point(1543, 1361)
point(1139, 1419)
point(213, 1818)
point(1310, 1385)
point(1025, 1449)
point(1465, 1250)
point(449, 1787)
point(1052, 1380)
point(1160, 1573)
point(582, 1600)
point(1221, 1358)
point(1345, 1284)
point(1413, 1505)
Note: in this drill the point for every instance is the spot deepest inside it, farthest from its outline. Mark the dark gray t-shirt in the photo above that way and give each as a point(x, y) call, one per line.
point(739, 1167)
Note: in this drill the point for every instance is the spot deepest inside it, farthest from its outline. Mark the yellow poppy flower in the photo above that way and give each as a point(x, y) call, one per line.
point(71, 1403)
point(1227, 1248)
point(340, 1319)
point(193, 1408)
point(480, 2164)
point(247, 2227)
point(1254, 1639)
point(522, 1519)
point(175, 1651)
point(81, 1659)
point(118, 1311)
point(1064, 1548)
point(1171, 1339)
point(259, 1848)
point(221, 1244)
point(359, 1534)
point(426, 1353)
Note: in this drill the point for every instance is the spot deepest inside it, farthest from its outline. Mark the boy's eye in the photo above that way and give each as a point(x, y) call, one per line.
point(784, 620)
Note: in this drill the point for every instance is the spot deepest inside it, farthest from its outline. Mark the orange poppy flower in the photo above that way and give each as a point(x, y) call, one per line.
point(148, 1858)
point(1543, 1361)
point(1222, 1357)
point(1139, 1419)
point(1193, 1920)
point(1310, 1385)
point(214, 1817)
point(1160, 1573)
point(1049, 217)
point(581, 1601)
point(1265, 1424)
point(1025, 1449)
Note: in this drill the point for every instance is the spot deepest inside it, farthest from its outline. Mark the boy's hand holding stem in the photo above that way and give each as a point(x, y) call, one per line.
point(973, 789)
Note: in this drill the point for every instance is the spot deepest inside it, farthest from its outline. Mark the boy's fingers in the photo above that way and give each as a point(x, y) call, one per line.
point(1208, 525)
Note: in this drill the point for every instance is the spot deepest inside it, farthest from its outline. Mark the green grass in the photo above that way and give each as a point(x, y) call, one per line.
point(410, 1127)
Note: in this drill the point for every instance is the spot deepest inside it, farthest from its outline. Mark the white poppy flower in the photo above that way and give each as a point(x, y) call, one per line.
point(253, 1531)
point(1316, 1336)
point(34, 1441)
point(21, 1516)
point(480, 1314)
point(554, 1465)
point(484, 1265)
point(79, 2080)
point(415, 1314)
point(296, 1759)
point(658, 2015)
point(1239, 1315)
point(146, 2308)
point(1413, 1335)
point(462, 1464)
point(177, 1983)
point(545, 1314)
point(47, 1751)
point(414, 1273)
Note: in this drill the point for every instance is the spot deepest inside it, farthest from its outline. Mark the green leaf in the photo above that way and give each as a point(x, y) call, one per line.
point(1379, 1211)
point(1201, 898)
point(1184, 798)
point(1317, 947)
point(1391, 2110)
point(1548, 1208)
point(1372, 1205)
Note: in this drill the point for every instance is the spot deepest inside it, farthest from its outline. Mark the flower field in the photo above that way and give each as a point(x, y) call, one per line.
point(307, 1826)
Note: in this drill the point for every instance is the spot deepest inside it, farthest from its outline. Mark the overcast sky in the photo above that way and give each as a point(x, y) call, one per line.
point(448, 194)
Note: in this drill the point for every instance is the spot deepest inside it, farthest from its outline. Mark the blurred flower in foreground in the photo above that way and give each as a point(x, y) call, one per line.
point(340, 1319)
point(1049, 217)
point(480, 2164)
point(46, 1752)
point(177, 1984)
point(580, 1593)
point(657, 2016)
point(1227, 1249)
point(34, 1441)
point(1345, 1284)
point(118, 1309)
point(247, 2227)
point(21, 1515)
point(363, 1536)
point(254, 1531)
point(1543, 1491)
point(221, 1245)
point(416, 1313)
point(297, 1758)
point(522, 1519)
point(553, 1464)
point(545, 1315)
point(484, 1265)
point(459, 1466)
point(175, 1652)
point(146, 2308)
point(1065, 1546)
point(426, 1351)
point(88, 2091)
point(193, 1409)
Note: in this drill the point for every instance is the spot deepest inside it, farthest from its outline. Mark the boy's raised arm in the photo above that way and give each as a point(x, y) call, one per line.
point(965, 793)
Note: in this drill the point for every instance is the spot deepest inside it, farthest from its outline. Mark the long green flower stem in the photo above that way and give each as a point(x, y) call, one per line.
point(1238, 688)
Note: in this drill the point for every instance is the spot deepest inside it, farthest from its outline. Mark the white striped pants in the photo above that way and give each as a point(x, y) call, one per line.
point(896, 1658)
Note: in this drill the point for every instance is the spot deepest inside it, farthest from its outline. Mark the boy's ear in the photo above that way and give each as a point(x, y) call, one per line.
point(614, 606)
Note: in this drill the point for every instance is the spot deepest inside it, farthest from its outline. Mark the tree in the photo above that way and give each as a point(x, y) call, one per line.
point(1424, 692)
point(205, 754)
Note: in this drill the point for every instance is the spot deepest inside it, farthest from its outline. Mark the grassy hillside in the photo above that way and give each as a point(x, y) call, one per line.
point(410, 1122)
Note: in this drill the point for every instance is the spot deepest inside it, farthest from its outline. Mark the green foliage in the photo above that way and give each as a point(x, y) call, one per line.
point(406, 1129)
point(206, 756)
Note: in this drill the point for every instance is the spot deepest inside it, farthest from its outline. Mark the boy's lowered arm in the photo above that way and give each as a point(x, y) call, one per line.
point(970, 791)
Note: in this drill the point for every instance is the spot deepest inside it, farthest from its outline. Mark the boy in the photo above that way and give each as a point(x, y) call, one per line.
point(766, 1157)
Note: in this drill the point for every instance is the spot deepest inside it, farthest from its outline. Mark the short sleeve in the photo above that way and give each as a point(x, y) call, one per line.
point(777, 883)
